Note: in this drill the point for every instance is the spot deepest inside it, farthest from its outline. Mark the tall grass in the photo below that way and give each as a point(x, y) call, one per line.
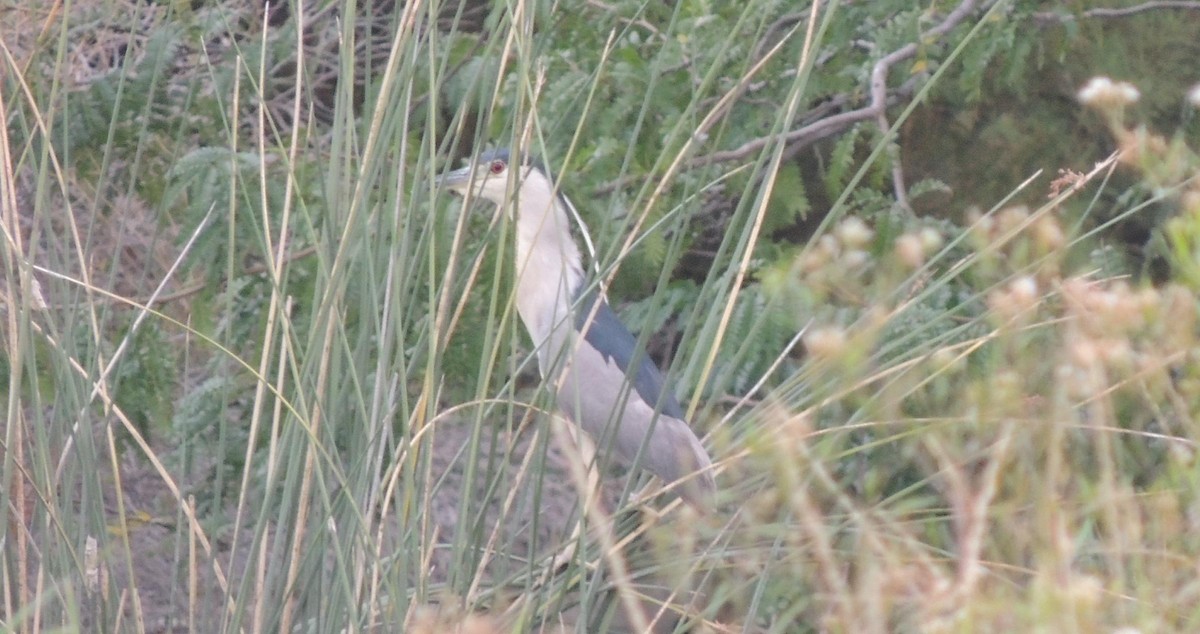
point(262, 375)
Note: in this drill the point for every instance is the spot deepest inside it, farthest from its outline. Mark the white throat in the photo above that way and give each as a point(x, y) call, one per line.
point(548, 267)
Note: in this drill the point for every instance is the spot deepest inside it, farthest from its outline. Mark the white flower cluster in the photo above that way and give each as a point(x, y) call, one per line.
point(1102, 92)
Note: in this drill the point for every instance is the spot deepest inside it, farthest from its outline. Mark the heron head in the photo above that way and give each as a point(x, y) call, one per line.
point(523, 189)
point(491, 176)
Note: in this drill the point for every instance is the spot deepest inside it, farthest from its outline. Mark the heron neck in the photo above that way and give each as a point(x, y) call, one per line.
point(549, 272)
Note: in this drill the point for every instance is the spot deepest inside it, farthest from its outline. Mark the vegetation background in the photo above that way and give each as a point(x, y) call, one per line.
point(927, 288)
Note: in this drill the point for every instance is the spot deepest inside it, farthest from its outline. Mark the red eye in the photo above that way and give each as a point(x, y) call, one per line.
point(497, 166)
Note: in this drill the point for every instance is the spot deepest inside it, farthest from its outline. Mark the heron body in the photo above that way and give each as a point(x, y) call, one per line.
point(583, 349)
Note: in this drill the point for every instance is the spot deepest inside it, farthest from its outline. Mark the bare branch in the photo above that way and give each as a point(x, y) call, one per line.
point(1122, 12)
point(823, 126)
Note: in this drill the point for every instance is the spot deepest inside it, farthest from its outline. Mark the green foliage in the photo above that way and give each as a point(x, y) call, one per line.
point(146, 381)
point(758, 332)
point(1183, 234)
point(841, 162)
point(208, 441)
point(119, 108)
point(788, 204)
point(200, 182)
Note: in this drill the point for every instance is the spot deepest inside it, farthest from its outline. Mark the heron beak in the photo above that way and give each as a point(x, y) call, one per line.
point(456, 181)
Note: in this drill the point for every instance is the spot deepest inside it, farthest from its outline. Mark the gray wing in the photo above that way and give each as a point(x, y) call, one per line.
point(672, 451)
point(612, 339)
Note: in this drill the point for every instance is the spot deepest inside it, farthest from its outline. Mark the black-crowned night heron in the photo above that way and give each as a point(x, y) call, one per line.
point(602, 382)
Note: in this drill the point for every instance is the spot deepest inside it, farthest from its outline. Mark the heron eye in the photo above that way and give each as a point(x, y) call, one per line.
point(496, 167)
